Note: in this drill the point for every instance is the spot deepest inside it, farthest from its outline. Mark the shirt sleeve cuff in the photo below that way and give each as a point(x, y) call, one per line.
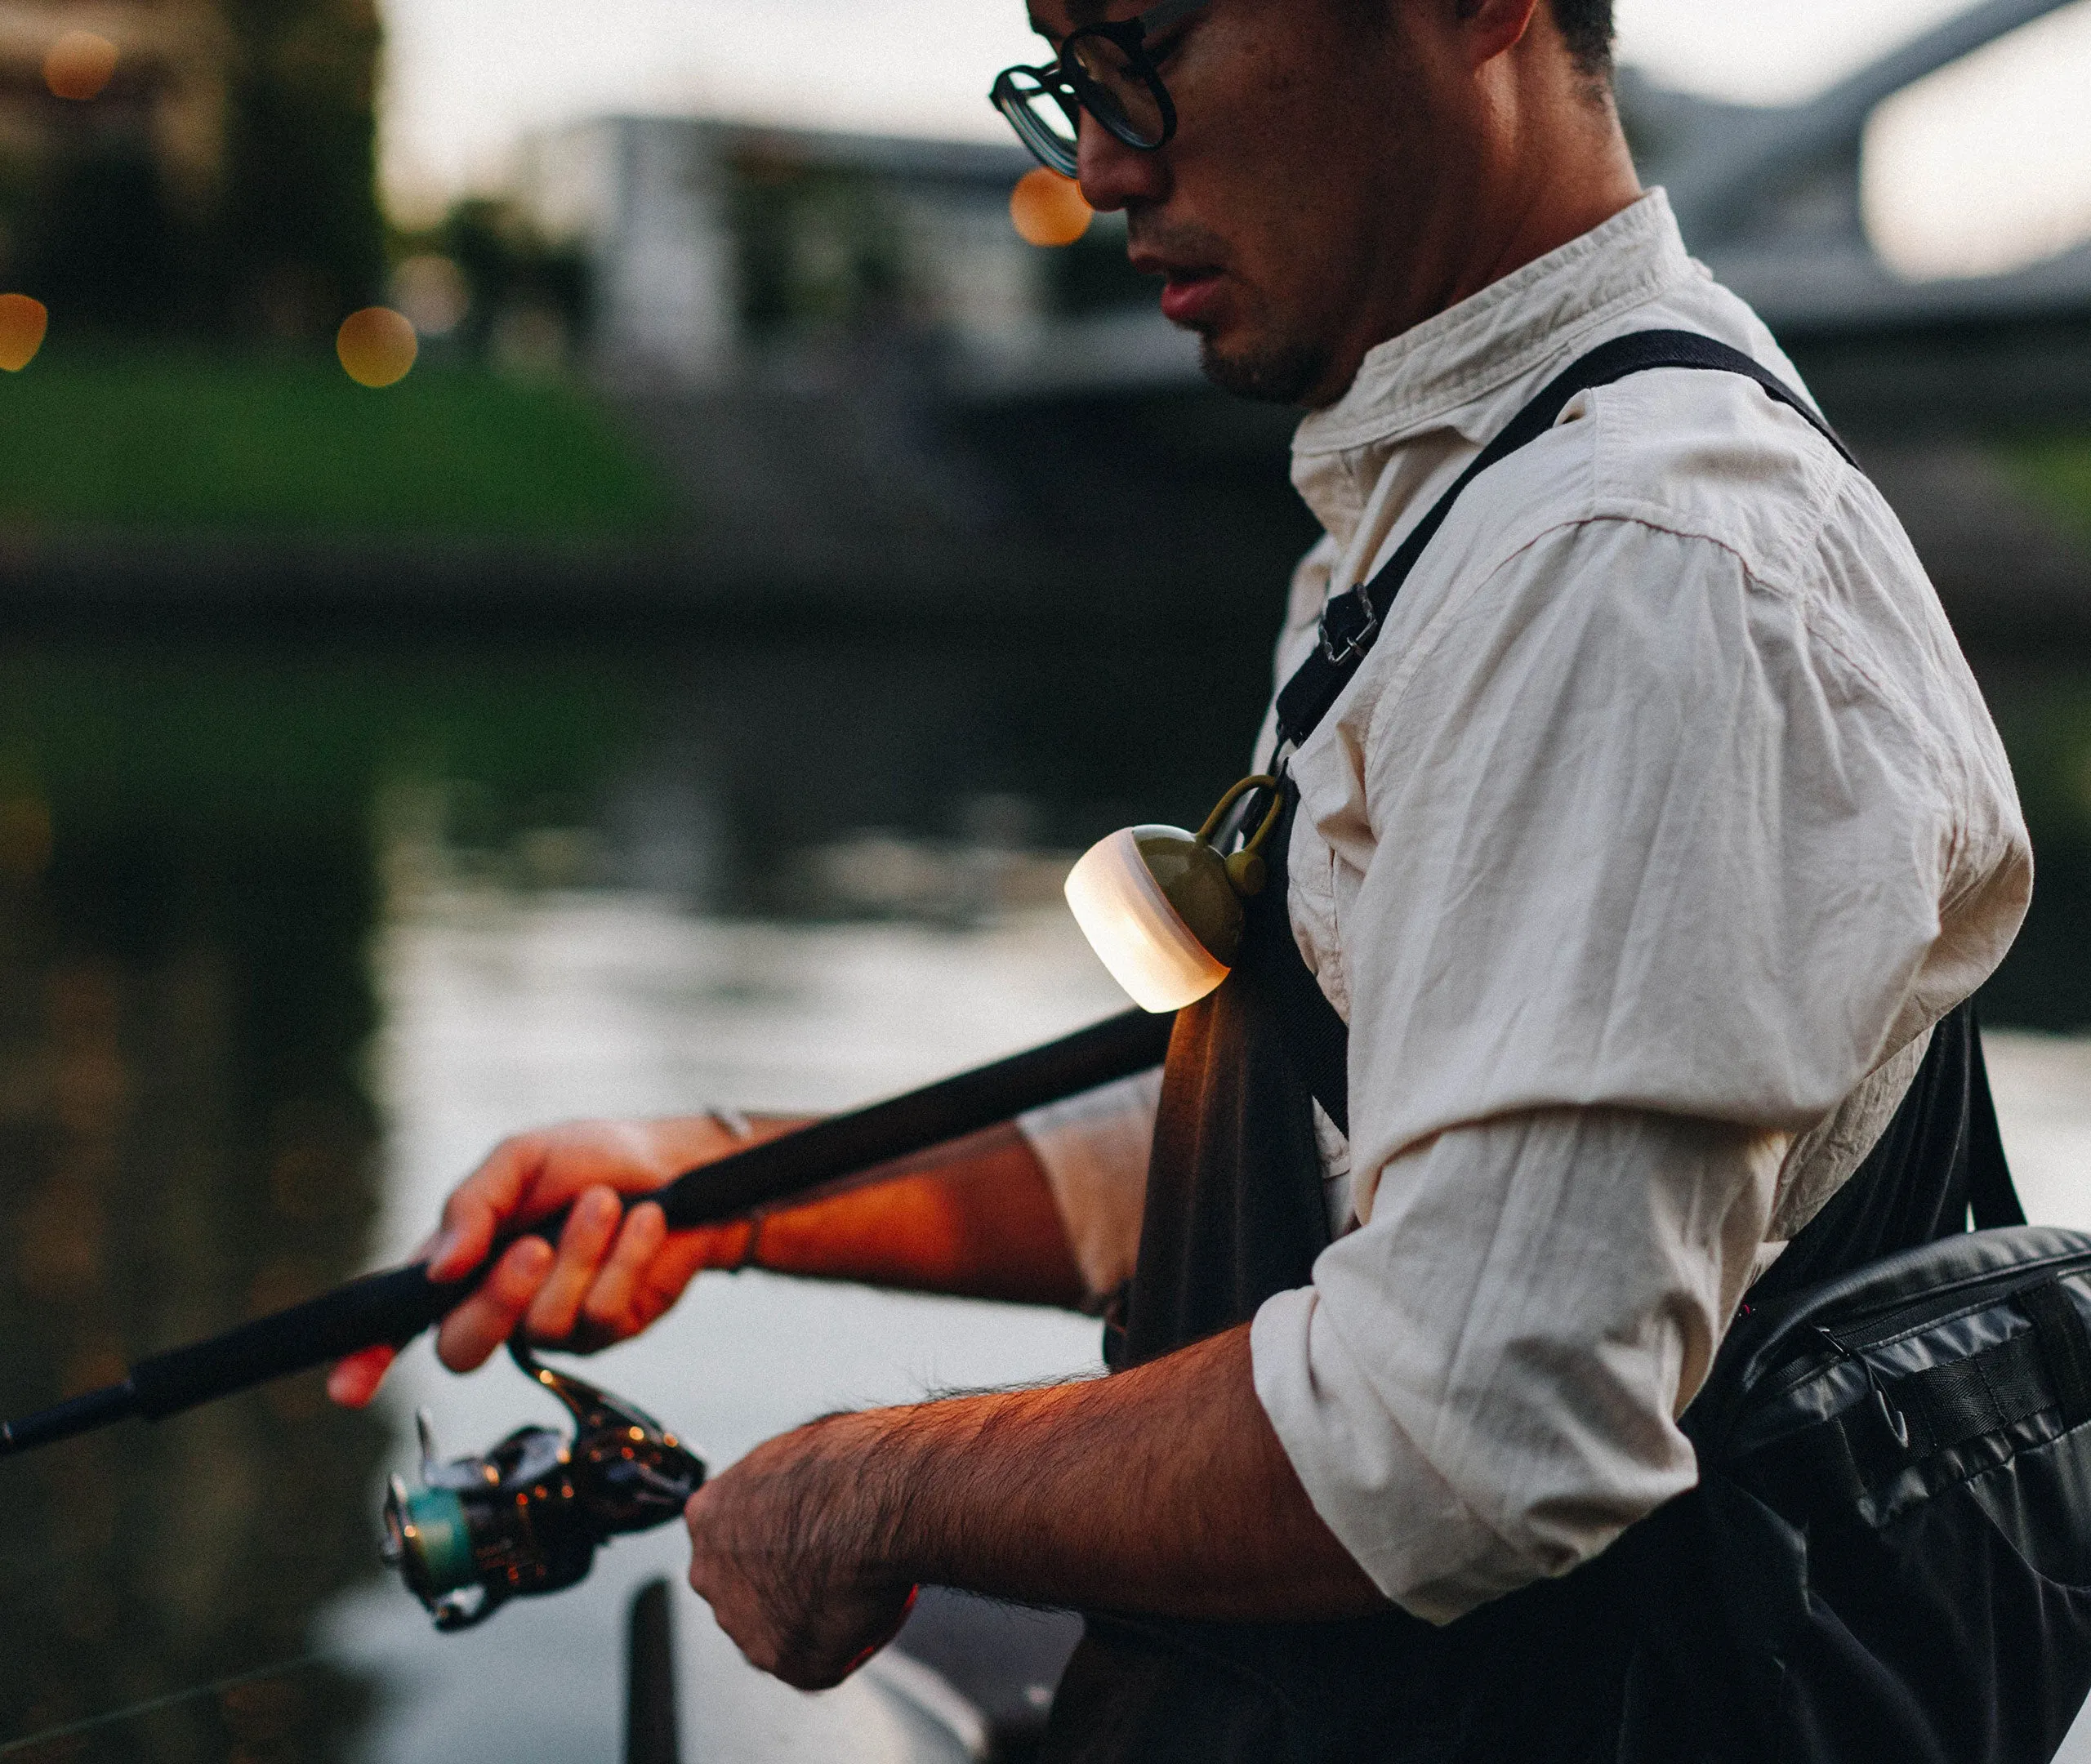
point(1094, 1149)
point(1423, 1548)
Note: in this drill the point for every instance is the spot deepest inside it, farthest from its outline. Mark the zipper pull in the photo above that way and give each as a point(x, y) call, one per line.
point(1898, 1423)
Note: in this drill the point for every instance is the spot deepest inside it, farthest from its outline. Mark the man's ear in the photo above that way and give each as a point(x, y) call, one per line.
point(1494, 27)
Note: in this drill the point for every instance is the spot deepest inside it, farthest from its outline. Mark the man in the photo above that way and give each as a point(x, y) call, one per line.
point(1641, 856)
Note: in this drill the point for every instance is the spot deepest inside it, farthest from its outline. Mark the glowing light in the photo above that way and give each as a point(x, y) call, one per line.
point(79, 65)
point(1048, 209)
point(376, 345)
point(1134, 931)
point(23, 321)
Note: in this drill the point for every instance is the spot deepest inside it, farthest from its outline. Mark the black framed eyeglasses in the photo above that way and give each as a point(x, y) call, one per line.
point(1104, 69)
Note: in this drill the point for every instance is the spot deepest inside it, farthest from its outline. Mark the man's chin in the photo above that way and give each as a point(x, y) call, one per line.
point(1273, 374)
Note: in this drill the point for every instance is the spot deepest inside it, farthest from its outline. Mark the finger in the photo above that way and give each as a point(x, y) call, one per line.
point(478, 1205)
point(618, 1303)
point(676, 1266)
point(354, 1381)
point(490, 1316)
point(590, 1229)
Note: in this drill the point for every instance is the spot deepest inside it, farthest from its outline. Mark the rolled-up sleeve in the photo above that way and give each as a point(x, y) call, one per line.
point(1625, 869)
point(1094, 1149)
point(1480, 1388)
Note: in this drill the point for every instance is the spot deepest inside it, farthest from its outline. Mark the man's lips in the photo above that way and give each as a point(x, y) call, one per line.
point(1189, 296)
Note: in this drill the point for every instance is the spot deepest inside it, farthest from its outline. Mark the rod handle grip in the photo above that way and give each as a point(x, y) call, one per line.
point(394, 1305)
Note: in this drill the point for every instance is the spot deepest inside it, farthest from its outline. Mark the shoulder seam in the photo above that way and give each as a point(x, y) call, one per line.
point(1821, 467)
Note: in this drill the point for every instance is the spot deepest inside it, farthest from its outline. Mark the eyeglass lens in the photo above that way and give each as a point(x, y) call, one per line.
point(1118, 91)
point(1040, 118)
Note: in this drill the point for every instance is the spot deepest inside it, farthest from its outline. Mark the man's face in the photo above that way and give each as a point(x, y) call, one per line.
point(1291, 215)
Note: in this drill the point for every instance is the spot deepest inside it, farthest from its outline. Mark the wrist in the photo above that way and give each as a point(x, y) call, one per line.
point(875, 1492)
point(731, 1246)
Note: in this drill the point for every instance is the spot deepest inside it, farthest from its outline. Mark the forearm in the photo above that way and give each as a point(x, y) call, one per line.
point(975, 1219)
point(1161, 1491)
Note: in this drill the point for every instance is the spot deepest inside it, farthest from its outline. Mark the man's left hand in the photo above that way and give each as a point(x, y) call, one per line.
point(1160, 1491)
point(787, 1547)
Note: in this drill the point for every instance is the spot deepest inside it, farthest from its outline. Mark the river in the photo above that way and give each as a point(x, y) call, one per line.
point(290, 935)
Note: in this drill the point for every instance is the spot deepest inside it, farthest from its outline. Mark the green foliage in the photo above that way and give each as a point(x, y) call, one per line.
point(820, 248)
point(203, 443)
point(301, 242)
point(2043, 709)
point(270, 227)
point(2057, 470)
point(507, 268)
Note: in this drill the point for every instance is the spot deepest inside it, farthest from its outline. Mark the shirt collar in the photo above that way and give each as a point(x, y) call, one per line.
point(1441, 373)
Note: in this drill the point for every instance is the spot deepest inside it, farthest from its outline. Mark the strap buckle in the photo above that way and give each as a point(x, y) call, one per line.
point(1349, 626)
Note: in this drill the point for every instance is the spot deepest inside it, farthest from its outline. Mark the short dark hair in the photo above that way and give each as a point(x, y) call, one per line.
point(1587, 27)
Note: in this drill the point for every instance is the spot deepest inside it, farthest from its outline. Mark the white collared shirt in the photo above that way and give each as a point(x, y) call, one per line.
point(1660, 826)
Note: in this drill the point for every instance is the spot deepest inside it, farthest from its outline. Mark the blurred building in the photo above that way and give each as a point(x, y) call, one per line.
point(707, 242)
point(220, 181)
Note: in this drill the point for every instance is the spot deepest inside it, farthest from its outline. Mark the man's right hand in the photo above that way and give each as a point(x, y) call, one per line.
point(613, 1272)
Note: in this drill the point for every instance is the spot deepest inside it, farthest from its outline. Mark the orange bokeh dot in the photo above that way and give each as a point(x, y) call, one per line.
point(23, 321)
point(376, 345)
point(1048, 209)
point(79, 65)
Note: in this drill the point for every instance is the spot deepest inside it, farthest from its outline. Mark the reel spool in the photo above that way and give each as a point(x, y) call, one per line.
point(529, 1516)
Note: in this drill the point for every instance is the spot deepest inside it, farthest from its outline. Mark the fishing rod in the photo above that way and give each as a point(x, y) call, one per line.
point(527, 1516)
point(1163, 908)
point(392, 1307)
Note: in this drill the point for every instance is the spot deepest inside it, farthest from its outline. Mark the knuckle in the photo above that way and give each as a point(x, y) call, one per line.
point(548, 1315)
point(610, 1318)
point(521, 1272)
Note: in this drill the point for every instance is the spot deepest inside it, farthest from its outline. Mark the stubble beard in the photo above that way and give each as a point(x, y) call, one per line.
point(1280, 373)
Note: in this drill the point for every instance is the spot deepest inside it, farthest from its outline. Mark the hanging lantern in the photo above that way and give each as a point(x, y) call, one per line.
point(1162, 908)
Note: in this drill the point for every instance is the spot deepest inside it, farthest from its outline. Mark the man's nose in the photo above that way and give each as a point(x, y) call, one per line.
point(1114, 175)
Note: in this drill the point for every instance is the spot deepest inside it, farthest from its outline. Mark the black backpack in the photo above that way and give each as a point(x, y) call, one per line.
point(1888, 1553)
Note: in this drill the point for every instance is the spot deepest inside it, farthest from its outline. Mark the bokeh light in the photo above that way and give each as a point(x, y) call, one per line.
point(23, 321)
point(376, 345)
point(79, 65)
point(1048, 209)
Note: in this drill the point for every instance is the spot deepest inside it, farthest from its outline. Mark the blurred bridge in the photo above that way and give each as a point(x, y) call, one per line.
point(678, 216)
point(876, 395)
point(1770, 198)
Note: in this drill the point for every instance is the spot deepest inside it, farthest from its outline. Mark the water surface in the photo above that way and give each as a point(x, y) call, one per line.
point(290, 933)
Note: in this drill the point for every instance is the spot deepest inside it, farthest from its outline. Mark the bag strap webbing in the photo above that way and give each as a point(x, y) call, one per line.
point(1993, 1201)
point(1351, 622)
point(2065, 1346)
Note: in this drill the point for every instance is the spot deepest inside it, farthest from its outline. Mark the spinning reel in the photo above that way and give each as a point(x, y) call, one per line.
point(528, 1517)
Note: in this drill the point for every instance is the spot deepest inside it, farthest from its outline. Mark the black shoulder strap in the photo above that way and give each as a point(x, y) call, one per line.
point(1993, 1201)
point(1351, 622)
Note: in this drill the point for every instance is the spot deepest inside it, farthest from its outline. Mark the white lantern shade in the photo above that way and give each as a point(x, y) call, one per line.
point(1131, 925)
